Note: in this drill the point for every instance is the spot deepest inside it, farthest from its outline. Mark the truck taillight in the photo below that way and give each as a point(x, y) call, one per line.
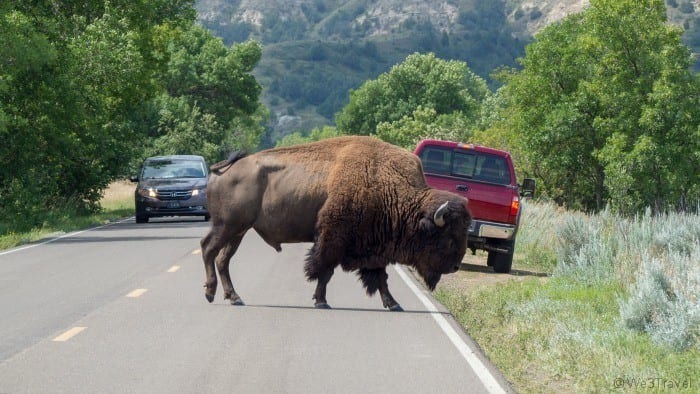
point(514, 206)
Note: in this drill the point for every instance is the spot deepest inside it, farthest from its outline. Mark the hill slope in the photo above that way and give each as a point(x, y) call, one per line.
point(316, 50)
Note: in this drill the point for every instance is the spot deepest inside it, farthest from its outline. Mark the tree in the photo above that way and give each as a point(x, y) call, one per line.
point(606, 107)
point(421, 80)
point(425, 123)
point(73, 78)
point(211, 100)
point(316, 134)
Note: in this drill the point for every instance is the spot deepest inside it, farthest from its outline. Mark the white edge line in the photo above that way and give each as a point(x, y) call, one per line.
point(61, 237)
point(479, 368)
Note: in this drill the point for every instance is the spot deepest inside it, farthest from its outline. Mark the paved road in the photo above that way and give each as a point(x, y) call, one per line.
point(121, 309)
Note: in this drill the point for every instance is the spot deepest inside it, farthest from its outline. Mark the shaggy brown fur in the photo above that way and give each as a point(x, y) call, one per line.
point(362, 202)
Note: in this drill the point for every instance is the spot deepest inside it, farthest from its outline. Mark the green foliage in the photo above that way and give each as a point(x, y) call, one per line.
point(85, 89)
point(422, 80)
point(316, 134)
point(216, 77)
point(210, 105)
point(70, 82)
point(606, 110)
point(425, 123)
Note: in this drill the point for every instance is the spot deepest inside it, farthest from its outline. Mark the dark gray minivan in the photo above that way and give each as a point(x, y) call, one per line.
point(174, 185)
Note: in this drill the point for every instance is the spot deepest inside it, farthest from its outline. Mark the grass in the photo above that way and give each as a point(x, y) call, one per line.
point(117, 203)
point(620, 310)
point(563, 336)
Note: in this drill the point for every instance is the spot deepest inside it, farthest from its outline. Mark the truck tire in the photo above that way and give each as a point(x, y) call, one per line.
point(501, 262)
point(141, 219)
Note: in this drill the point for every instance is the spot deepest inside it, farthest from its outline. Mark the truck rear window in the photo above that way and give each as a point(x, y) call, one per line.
point(465, 164)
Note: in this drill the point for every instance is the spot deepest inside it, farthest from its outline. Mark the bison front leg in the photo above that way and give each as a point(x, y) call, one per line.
point(376, 280)
point(223, 261)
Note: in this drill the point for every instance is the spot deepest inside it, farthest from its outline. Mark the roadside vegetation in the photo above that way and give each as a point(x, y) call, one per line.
point(618, 310)
point(117, 202)
point(88, 90)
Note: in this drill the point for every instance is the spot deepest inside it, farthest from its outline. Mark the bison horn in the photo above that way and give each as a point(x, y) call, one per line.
point(439, 217)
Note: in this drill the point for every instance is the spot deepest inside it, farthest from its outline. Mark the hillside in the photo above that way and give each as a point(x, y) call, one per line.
point(315, 51)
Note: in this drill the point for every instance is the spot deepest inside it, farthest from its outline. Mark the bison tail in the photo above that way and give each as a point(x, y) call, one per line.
point(224, 165)
point(310, 268)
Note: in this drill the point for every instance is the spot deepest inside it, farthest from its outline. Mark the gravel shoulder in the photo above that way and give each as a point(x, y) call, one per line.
point(474, 273)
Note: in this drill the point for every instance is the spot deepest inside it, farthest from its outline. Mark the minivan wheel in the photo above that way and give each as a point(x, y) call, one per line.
point(141, 219)
point(206, 218)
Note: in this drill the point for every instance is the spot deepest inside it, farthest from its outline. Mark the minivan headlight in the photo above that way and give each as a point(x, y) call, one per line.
point(148, 192)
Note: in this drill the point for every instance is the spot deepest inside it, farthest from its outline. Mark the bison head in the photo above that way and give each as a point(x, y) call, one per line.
point(442, 236)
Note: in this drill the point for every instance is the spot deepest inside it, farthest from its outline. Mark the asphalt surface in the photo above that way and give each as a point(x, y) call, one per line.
point(121, 309)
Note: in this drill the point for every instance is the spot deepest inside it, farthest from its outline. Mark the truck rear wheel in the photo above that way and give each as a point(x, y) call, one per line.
point(501, 262)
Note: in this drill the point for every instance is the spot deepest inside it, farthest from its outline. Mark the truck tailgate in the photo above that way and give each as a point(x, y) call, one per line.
point(486, 201)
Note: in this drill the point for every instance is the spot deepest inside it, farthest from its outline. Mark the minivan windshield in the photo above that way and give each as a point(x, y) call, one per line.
point(169, 168)
point(474, 165)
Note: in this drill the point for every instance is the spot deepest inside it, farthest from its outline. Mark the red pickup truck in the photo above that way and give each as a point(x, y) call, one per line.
point(486, 177)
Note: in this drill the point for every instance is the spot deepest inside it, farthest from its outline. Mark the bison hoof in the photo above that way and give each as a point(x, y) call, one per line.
point(322, 305)
point(210, 297)
point(396, 308)
point(237, 301)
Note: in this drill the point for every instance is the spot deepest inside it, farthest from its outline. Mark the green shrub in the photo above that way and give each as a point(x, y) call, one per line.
point(663, 302)
point(537, 234)
point(584, 251)
point(656, 258)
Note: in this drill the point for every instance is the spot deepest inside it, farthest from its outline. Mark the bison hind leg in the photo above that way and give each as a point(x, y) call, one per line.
point(376, 280)
point(312, 267)
point(317, 269)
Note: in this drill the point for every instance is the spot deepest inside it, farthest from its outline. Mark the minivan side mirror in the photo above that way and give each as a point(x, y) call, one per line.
point(134, 178)
point(527, 189)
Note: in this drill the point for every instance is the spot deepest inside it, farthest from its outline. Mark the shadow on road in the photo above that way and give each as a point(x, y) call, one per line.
point(489, 270)
point(331, 309)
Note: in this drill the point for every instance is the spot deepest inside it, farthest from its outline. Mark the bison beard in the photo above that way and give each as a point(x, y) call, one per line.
point(363, 203)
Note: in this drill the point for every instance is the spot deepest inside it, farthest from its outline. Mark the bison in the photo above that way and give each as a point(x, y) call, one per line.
point(363, 203)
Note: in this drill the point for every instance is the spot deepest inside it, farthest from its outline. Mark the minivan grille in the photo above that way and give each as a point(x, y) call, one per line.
point(174, 194)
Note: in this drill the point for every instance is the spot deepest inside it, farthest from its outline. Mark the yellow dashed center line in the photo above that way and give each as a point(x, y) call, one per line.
point(174, 268)
point(69, 334)
point(136, 293)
